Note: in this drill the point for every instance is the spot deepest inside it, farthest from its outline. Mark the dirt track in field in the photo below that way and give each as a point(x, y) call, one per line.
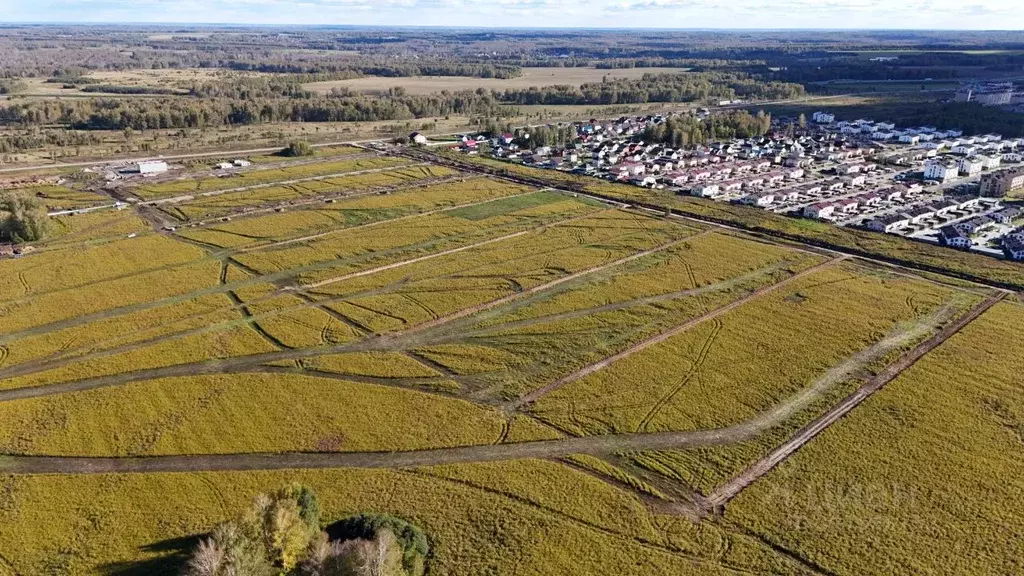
point(273, 277)
point(594, 445)
point(243, 363)
point(588, 370)
point(738, 483)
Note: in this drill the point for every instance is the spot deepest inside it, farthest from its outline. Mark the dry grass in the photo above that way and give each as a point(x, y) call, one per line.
point(924, 478)
point(242, 413)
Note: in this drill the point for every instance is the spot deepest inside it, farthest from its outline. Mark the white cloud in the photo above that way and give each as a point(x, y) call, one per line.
point(948, 14)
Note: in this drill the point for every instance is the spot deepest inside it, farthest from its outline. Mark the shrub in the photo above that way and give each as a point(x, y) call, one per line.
point(298, 148)
point(415, 546)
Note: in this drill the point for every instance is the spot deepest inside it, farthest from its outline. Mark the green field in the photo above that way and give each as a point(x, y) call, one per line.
point(544, 383)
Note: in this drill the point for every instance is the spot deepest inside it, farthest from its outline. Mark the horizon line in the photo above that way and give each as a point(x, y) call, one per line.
point(12, 23)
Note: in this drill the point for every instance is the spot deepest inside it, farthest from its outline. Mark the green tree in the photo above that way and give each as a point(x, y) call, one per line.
point(297, 149)
point(24, 218)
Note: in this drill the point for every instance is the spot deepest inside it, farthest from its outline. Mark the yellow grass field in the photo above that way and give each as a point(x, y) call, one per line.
point(488, 361)
point(931, 468)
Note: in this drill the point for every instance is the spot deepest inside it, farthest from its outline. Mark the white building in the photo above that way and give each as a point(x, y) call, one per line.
point(971, 166)
point(964, 149)
point(822, 211)
point(823, 117)
point(705, 190)
point(152, 167)
point(941, 171)
point(990, 162)
point(910, 139)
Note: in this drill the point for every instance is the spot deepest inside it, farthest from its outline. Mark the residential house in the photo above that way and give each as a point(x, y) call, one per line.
point(918, 214)
point(954, 238)
point(1013, 247)
point(705, 190)
point(822, 211)
point(761, 199)
point(1006, 215)
point(889, 223)
point(847, 205)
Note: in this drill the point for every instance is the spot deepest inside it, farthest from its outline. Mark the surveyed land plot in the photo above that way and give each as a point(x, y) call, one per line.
point(349, 212)
point(397, 298)
point(744, 363)
point(451, 229)
point(536, 340)
point(303, 194)
point(939, 447)
point(258, 177)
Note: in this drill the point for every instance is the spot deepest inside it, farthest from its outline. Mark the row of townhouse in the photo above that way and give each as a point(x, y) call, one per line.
point(916, 214)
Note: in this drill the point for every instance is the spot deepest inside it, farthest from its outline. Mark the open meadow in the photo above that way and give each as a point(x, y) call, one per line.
point(545, 382)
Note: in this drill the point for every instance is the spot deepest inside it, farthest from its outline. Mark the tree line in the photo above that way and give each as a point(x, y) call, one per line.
point(684, 87)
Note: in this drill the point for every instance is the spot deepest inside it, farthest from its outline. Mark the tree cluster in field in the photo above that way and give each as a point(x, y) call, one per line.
point(297, 149)
point(281, 535)
point(22, 218)
point(30, 140)
point(684, 87)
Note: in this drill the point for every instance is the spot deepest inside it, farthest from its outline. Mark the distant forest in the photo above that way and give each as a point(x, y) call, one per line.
point(255, 75)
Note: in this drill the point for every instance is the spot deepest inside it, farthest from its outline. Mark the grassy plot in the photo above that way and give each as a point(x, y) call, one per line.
point(238, 413)
point(105, 295)
point(103, 224)
point(57, 198)
point(542, 338)
point(735, 367)
point(924, 478)
point(426, 291)
point(518, 517)
point(197, 347)
point(248, 200)
point(56, 270)
point(383, 245)
point(347, 212)
point(262, 176)
point(121, 330)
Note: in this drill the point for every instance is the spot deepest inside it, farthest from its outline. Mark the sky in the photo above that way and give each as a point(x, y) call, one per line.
point(772, 14)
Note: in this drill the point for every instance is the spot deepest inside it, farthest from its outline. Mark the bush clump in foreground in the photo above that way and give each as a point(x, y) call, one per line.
point(298, 148)
point(280, 535)
point(22, 218)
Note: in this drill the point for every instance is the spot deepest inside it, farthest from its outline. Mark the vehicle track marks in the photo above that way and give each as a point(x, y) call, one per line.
point(693, 372)
point(588, 370)
point(738, 483)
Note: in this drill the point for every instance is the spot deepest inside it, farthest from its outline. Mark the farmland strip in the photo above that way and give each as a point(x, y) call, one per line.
point(588, 370)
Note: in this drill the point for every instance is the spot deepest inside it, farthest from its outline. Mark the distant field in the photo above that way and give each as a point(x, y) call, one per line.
point(530, 77)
